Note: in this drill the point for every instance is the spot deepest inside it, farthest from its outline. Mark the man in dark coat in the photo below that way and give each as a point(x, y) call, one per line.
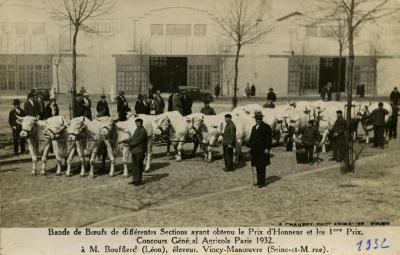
point(393, 121)
point(85, 107)
point(378, 116)
point(329, 91)
point(229, 142)
point(122, 106)
point(161, 103)
point(253, 90)
point(187, 103)
point(271, 96)
point(177, 103)
point(51, 109)
point(310, 138)
point(338, 137)
point(171, 102)
point(217, 90)
point(137, 144)
point(395, 96)
point(102, 107)
point(41, 107)
point(207, 109)
point(31, 107)
point(141, 106)
point(260, 146)
point(16, 127)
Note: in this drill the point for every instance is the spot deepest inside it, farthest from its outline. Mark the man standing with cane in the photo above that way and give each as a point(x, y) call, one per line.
point(260, 146)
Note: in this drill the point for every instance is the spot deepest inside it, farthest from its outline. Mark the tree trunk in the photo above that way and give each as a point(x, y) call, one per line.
point(235, 100)
point(340, 73)
point(57, 79)
point(349, 163)
point(74, 79)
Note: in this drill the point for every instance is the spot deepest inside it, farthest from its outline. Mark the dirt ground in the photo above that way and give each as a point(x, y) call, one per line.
point(196, 193)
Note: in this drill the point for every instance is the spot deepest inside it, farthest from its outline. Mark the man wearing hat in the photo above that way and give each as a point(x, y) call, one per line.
point(378, 116)
point(102, 107)
point(31, 107)
point(260, 146)
point(51, 109)
point(271, 96)
point(41, 107)
point(141, 106)
point(229, 141)
point(207, 109)
point(338, 137)
point(85, 107)
point(395, 96)
point(161, 103)
point(16, 127)
point(187, 103)
point(137, 144)
point(310, 138)
point(122, 106)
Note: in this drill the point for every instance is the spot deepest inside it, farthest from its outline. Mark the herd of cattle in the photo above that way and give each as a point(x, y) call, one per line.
point(83, 137)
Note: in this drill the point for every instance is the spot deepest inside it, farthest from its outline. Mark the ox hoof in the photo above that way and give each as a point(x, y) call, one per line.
point(178, 159)
point(111, 175)
point(91, 176)
point(167, 154)
point(125, 176)
point(82, 175)
point(209, 160)
point(42, 173)
point(68, 175)
point(33, 173)
point(58, 174)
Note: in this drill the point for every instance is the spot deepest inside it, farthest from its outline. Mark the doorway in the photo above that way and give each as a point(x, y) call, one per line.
point(329, 73)
point(167, 73)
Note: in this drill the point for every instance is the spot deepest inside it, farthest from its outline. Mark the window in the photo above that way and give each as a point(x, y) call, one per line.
point(179, 29)
point(200, 29)
point(157, 29)
point(38, 28)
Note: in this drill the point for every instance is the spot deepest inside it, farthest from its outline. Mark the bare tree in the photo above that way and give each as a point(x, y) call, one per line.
point(57, 48)
point(356, 13)
point(77, 13)
point(242, 23)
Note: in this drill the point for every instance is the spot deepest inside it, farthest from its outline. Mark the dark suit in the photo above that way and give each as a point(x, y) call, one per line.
point(393, 121)
point(85, 108)
point(138, 144)
point(310, 138)
point(379, 126)
point(395, 97)
point(102, 109)
point(31, 109)
point(260, 140)
point(171, 103)
point(16, 129)
point(187, 103)
point(339, 139)
point(228, 144)
point(122, 108)
point(142, 108)
point(41, 110)
point(48, 112)
point(271, 96)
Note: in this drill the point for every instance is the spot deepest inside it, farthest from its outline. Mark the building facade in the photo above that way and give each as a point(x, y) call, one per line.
point(160, 45)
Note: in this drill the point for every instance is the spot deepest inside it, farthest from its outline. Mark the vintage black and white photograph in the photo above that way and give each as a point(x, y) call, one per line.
point(184, 113)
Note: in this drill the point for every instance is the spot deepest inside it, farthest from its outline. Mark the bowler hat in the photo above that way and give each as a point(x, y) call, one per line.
point(228, 116)
point(311, 121)
point(270, 89)
point(140, 96)
point(258, 115)
point(103, 96)
point(30, 94)
point(139, 120)
point(16, 102)
point(339, 111)
point(380, 104)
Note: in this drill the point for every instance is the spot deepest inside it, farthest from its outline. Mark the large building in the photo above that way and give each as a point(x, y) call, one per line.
point(142, 45)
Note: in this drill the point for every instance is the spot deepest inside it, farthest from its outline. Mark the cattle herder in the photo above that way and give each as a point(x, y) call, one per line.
point(339, 138)
point(310, 138)
point(137, 144)
point(378, 116)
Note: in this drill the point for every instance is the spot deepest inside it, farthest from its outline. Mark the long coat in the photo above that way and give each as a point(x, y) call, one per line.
point(260, 140)
point(142, 108)
point(13, 116)
point(137, 143)
point(229, 134)
point(31, 109)
point(48, 111)
point(85, 109)
point(187, 103)
point(122, 107)
point(102, 109)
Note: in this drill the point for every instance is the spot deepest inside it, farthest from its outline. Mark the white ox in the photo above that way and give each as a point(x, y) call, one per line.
point(40, 135)
point(86, 134)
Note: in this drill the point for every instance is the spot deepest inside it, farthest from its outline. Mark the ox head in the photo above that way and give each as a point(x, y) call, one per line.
point(162, 126)
point(28, 124)
point(197, 126)
point(75, 128)
point(106, 130)
point(54, 128)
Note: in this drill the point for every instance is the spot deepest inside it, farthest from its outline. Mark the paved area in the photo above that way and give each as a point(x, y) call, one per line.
point(196, 193)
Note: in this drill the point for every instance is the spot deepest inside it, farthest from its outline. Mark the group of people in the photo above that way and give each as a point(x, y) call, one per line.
point(326, 92)
point(250, 91)
point(35, 107)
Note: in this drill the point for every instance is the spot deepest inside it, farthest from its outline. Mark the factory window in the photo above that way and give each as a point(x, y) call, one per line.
point(179, 29)
point(200, 29)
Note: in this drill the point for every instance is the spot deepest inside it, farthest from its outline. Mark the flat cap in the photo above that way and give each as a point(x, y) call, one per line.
point(228, 116)
point(339, 111)
point(139, 120)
